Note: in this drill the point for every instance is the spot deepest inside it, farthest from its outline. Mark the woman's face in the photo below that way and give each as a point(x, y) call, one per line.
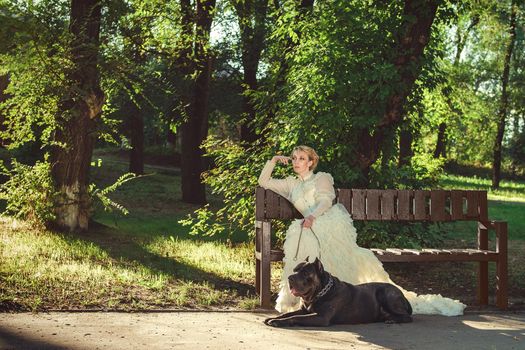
point(301, 163)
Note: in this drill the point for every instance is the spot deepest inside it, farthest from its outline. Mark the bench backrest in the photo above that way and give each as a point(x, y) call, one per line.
point(382, 205)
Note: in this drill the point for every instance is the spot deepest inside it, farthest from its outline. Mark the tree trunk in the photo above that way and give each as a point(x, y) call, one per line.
point(136, 136)
point(502, 114)
point(195, 129)
point(77, 125)
point(405, 146)
point(251, 16)
point(441, 148)
point(418, 16)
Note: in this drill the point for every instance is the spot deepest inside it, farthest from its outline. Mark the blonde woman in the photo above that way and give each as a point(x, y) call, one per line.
point(327, 231)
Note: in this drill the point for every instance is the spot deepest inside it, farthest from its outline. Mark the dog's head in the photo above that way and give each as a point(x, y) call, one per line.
point(306, 280)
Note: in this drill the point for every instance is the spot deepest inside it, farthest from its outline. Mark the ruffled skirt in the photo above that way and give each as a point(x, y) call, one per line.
point(333, 240)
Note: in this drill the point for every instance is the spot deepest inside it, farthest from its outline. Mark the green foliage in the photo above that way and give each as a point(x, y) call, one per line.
point(423, 171)
point(36, 60)
point(29, 192)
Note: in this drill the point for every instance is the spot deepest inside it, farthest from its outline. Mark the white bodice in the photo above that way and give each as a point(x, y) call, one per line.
point(303, 196)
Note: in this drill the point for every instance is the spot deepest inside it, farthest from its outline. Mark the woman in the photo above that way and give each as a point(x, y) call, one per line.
point(328, 233)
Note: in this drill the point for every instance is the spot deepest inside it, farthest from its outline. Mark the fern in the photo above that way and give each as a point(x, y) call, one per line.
point(102, 194)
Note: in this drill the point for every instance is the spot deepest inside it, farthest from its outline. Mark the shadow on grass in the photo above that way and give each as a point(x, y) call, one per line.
point(123, 248)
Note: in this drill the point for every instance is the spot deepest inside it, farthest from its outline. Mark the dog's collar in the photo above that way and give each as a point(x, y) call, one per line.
point(326, 288)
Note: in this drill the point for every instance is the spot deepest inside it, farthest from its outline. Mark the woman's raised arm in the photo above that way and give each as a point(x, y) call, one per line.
point(280, 186)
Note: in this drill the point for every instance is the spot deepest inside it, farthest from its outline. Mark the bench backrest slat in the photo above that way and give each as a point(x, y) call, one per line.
point(421, 205)
point(472, 204)
point(399, 205)
point(373, 205)
point(358, 204)
point(405, 210)
point(388, 205)
point(439, 210)
point(457, 205)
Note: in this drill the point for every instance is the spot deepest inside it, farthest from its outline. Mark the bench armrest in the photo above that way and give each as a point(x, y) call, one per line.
point(500, 227)
point(492, 225)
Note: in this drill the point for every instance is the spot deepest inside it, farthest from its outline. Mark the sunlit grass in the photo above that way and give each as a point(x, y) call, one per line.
point(509, 191)
point(42, 270)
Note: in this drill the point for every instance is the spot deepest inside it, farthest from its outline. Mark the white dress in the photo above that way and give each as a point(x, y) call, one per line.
point(334, 240)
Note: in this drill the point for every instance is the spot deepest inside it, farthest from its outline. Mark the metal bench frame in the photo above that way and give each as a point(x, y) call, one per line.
point(396, 205)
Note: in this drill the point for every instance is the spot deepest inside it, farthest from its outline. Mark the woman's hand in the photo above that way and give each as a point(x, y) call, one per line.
point(308, 221)
point(281, 159)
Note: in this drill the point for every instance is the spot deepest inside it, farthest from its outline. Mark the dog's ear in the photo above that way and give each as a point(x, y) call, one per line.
point(319, 266)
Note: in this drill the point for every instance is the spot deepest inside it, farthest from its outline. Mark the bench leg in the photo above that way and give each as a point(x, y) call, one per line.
point(265, 266)
point(501, 266)
point(257, 276)
point(265, 292)
point(483, 269)
point(258, 234)
point(502, 285)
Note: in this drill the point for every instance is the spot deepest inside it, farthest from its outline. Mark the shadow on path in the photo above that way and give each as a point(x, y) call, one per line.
point(472, 331)
point(11, 339)
point(243, 330)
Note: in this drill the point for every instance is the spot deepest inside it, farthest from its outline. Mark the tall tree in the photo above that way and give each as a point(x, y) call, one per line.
point(195, 129)
point(418, 16)
point(80, 109)
point(504, 99)
point(134, 120)
point(252, 17)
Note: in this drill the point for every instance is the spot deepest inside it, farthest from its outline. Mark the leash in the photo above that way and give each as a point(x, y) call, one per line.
point(299, 243)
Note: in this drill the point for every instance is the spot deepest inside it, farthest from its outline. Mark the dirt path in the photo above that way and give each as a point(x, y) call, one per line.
point(245, 330)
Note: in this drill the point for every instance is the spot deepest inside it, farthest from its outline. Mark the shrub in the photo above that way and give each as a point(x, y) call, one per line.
point(29, 192)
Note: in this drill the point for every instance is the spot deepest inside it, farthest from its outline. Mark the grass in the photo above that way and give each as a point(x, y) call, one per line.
point(147, 260)
point(108, 269)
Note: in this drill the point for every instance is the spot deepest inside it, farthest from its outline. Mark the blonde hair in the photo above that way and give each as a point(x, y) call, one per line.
point(310, 152)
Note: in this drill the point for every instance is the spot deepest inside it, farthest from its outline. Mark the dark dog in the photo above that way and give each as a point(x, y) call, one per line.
point(326, 300)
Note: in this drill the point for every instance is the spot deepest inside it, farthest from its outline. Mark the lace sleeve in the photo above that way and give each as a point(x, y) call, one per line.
point(280, 186)
point(324, 193)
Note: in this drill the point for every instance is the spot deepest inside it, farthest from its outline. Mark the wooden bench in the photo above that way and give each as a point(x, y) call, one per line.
point(396, 205)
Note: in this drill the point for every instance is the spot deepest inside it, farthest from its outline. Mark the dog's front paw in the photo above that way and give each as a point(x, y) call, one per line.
point(268, 321)
point(275, 322)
